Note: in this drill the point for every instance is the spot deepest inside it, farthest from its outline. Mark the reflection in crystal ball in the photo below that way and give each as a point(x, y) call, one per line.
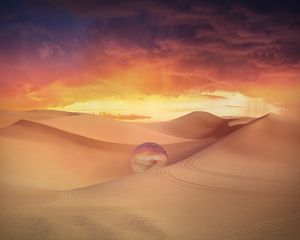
point(147, 155)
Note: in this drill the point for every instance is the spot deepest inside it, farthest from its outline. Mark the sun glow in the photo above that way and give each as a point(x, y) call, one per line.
point(159, 107)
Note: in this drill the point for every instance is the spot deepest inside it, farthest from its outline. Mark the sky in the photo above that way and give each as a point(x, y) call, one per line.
point(151, 60)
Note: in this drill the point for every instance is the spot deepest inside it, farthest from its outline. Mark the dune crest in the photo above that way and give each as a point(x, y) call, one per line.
point(9, 117)
point(195, 125)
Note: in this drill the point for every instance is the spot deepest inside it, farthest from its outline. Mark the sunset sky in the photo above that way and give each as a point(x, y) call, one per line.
point(151, 60)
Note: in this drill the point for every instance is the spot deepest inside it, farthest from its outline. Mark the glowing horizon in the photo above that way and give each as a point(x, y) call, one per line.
point(159, 108)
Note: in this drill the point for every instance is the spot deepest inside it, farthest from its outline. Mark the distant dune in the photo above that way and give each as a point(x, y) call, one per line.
point(238, 181)
point(195, 125)
point(9, 117)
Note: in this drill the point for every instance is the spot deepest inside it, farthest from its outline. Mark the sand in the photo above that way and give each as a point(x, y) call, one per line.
point(37, 155)
point(194, 125)
point(9, 117)
point(109, 130)
point(240, 185)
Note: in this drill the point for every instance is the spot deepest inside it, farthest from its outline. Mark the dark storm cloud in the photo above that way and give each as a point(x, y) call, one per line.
point(227, 25)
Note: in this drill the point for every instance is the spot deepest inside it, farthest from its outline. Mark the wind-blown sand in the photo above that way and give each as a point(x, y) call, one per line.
point(240, 185)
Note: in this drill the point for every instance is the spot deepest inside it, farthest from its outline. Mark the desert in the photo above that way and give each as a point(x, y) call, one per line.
point(222, 182)
point(149, 120)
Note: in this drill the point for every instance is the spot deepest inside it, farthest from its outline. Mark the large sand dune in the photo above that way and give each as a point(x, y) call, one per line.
point(109, 130)
point(42, 156)
point(34, 154)
point(243, 186)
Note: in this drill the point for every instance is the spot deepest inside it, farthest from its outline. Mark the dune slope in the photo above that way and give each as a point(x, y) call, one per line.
point(41, 156)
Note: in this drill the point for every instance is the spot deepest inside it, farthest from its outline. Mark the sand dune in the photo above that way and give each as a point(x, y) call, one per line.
point(96, 127)
point(270, 138)
point(241, 186)
point(221, 192)
point(251, 161)
point(41, 156)
point(37, 155)
point(241, 155)
point(195, 125)
point(9, 117)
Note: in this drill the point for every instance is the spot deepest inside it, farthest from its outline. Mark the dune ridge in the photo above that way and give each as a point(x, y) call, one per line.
point(9, 117)
point(32, 128)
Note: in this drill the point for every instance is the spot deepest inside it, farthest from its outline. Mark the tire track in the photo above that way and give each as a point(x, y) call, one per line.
point(189, 165)
point(229, 147)
point(165, 173)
